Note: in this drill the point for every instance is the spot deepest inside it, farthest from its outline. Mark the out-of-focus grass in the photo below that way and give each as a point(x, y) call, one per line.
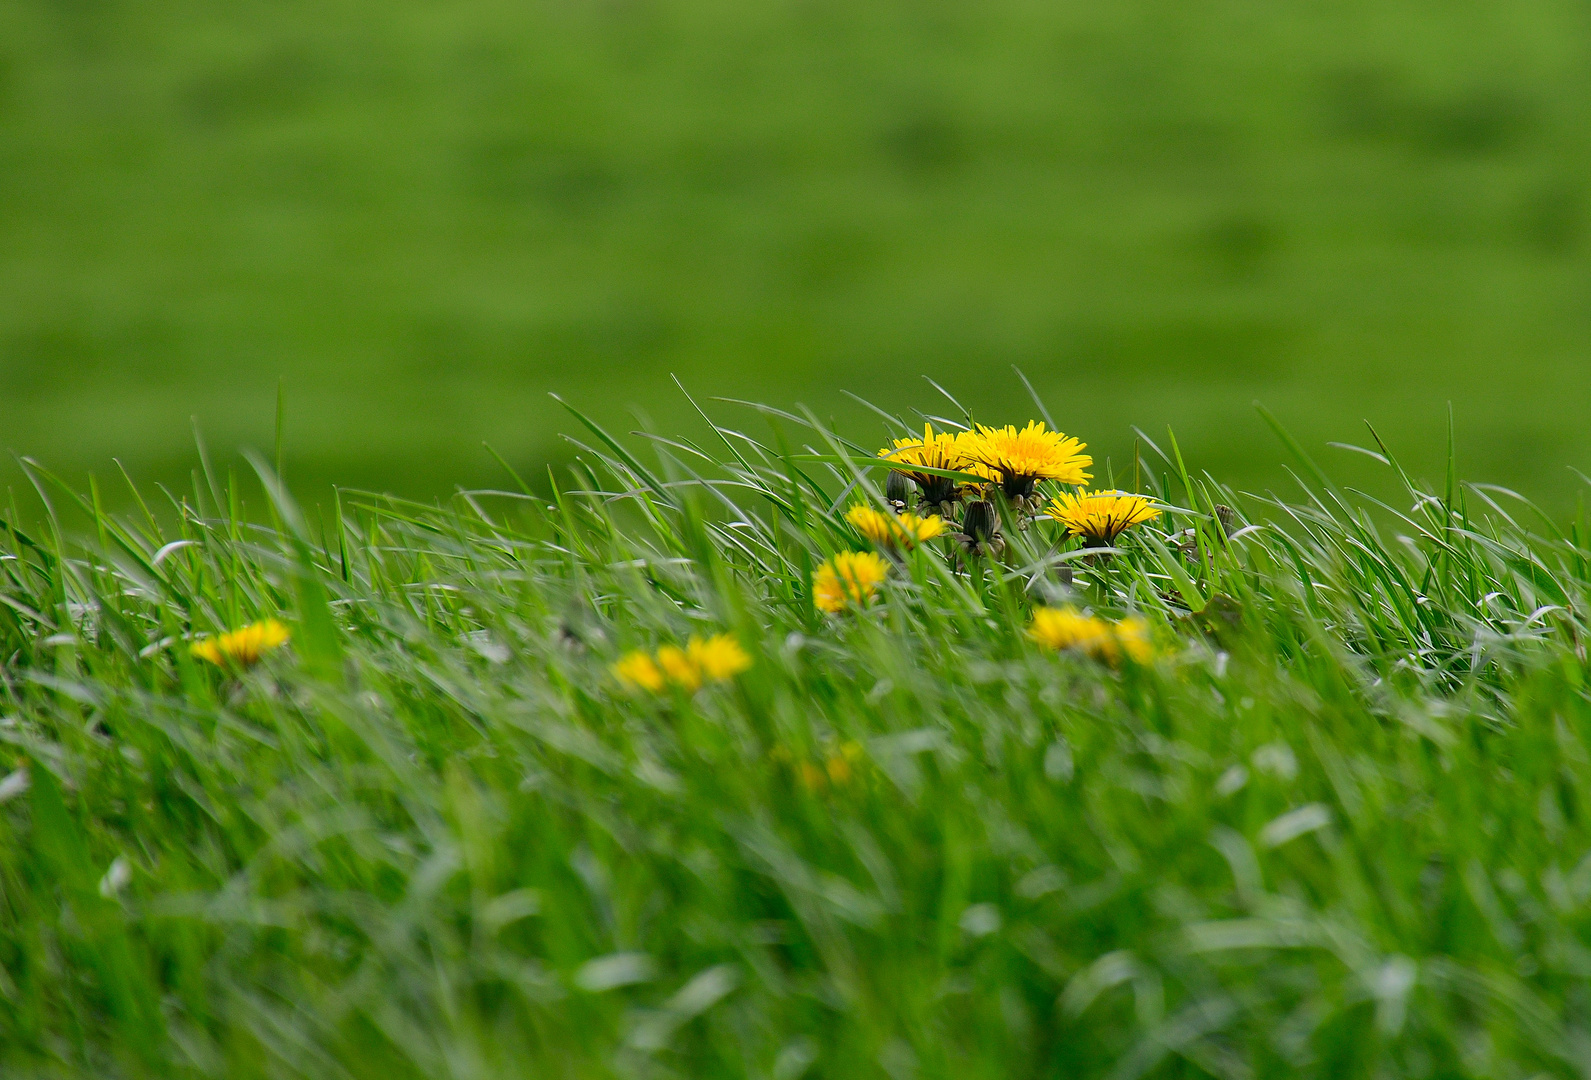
point(424, 216)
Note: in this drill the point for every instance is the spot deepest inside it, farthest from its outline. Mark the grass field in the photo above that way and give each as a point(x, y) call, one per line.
point(422, 217)
point(1334, 822)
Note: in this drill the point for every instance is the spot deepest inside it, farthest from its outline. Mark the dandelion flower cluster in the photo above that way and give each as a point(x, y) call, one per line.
point(1006, 462)
point(849, 579)
point(984, 481)
point(715, 659)
point(1068, 628)
point(1101, 516)
point(241, 648)
point(894, 531)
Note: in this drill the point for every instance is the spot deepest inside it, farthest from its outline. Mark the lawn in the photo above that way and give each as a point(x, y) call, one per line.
point(621, 781)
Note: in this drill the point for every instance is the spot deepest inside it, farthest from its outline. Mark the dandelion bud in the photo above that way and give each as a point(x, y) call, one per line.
point(981, 523)
point(1227, 517)
point(980, 530)
point(898, 490)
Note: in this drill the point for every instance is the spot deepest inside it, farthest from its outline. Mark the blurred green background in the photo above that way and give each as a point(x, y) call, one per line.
point(421, 216)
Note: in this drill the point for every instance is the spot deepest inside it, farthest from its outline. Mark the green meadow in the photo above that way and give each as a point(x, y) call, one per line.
point(369, 713)
point(419, 218)
point(611, 783)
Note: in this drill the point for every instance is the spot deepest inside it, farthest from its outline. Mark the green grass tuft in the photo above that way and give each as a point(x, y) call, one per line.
point(1339, 826)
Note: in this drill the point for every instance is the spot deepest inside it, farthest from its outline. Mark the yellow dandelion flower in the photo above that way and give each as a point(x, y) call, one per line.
point(639, 671)
point(715, 659)
point(1101, 515)
point(918, 529)
point(1133, 635)
point(849, 579)
point(1022, 458)
point(719, 658)
point(969, 443)
point(679, 669)
point(876, 525)
point(889, 531)
point(241, 648)
point(934, 451)
point(1068, 628)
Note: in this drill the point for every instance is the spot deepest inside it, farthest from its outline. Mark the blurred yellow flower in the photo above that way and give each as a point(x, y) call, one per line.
point(719, 658)
point(715, 659)
point(837, 768)
point(1101, 515)
point(637, 669)
point(889, 531)
point(1022, 458)
point(679, 669)
point(1068, 628)
point(241, 648)
point(849, 579)
point(1133, 635)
